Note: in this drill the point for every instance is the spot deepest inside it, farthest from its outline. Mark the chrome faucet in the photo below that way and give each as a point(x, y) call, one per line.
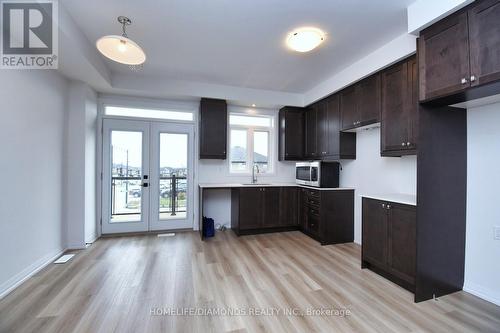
point(254, 175)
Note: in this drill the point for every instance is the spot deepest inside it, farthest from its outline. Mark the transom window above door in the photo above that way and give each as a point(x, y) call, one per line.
point(148, 113)
point(250, 142)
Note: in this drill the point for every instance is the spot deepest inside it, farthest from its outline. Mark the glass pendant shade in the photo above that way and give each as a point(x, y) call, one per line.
point(121, 49)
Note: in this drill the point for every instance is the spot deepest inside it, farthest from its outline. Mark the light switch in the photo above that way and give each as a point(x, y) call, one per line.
point(496, 233)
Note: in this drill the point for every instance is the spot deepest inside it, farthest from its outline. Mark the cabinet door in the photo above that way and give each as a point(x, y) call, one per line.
point(250, 213)
point(402, 241)
point(348, 109)
point(288, 206)
point(333, 129)
point(368, 100)
point(444, 57)
point(321, 129)
point(270, 207)
point(311, 132)
point(302, 211)
point(374, 227)
point(213, 129)
point(484, 36)
point(394, 127)
point(291, 134)
point(412, 103)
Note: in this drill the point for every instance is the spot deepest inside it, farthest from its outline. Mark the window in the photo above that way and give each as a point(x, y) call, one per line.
point(250, 143)
point(148, 113)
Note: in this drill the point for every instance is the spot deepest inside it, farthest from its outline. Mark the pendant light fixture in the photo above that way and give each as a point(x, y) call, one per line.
point(121, 48)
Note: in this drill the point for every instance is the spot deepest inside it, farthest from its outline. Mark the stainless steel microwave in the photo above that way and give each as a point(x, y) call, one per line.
point(317, 173)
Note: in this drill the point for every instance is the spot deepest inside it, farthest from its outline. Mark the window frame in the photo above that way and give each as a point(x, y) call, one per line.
point(271, 130)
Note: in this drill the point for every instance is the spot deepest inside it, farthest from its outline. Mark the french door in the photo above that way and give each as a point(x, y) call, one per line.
point(147, 176)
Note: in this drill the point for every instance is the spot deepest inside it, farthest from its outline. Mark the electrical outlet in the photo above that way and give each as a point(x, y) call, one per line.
point(496, 235)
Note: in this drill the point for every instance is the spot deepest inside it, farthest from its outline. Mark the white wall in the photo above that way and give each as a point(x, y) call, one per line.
point(81, 165)
point(482, 267)
point(388, 54)
point(423, 13)
point(371, 174)
point(90, 166)
point(32, 111)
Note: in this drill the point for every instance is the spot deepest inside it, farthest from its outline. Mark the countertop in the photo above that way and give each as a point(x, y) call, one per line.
point(406, 199)
point(233, 185)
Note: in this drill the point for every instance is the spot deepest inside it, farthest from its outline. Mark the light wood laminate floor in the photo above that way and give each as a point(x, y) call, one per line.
point(128, 284)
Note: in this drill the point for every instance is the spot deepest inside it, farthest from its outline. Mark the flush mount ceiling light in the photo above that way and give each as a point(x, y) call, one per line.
point(305, 39)
point(121, 48)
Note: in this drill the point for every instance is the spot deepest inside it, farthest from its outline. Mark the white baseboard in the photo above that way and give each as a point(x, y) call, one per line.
point(481, 292)
point(8, 286)
point(76, 246)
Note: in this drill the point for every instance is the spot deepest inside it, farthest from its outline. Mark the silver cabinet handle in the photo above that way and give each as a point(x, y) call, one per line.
point(408, 143)
point(472, 78)
point(403, 144)
point(388, 206)
point(464, 81)
point(383, 205)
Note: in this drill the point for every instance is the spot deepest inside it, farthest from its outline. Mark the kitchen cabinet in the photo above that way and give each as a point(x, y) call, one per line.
point(484, 42)
point(389, 240)
point(324, 141)
point(311, 132)
point(291, 133)
point(444, 57)
point(348, 108)
point(322, 133)
point(250, 208)
point(340, 145)
point(368, 96)
point(288, 207)
point(399, 109)
point(270, 207)
point(459, 53)
point(213, 129)
point(360, 103)
point(263, 209)
point(327, 215)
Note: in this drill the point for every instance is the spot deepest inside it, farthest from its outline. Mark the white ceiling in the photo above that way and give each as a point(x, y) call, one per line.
point(241, 42)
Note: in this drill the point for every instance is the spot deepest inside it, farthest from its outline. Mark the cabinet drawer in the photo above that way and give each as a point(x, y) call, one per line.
point(313, 211)
point(313, 224)
point(312, 194)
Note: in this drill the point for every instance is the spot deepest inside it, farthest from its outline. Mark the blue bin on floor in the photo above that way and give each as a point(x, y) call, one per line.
point(208, 227)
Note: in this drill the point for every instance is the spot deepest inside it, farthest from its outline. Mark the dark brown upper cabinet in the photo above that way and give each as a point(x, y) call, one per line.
point(360, 103)
point(348, 108)
point(444, 57)
point(484, 39)
point(368, 97)
point(291, 133)
point(311, 132)
point(324, 141)
point(399, 109)
point(460, 53)
point(213, 129)
point(339, 145)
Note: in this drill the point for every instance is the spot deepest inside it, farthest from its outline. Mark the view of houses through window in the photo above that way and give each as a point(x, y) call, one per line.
point(250, 142)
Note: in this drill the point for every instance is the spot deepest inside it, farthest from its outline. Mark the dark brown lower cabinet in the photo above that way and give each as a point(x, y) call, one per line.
point(263, 209)
point(389, 240)
point(327, 215)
